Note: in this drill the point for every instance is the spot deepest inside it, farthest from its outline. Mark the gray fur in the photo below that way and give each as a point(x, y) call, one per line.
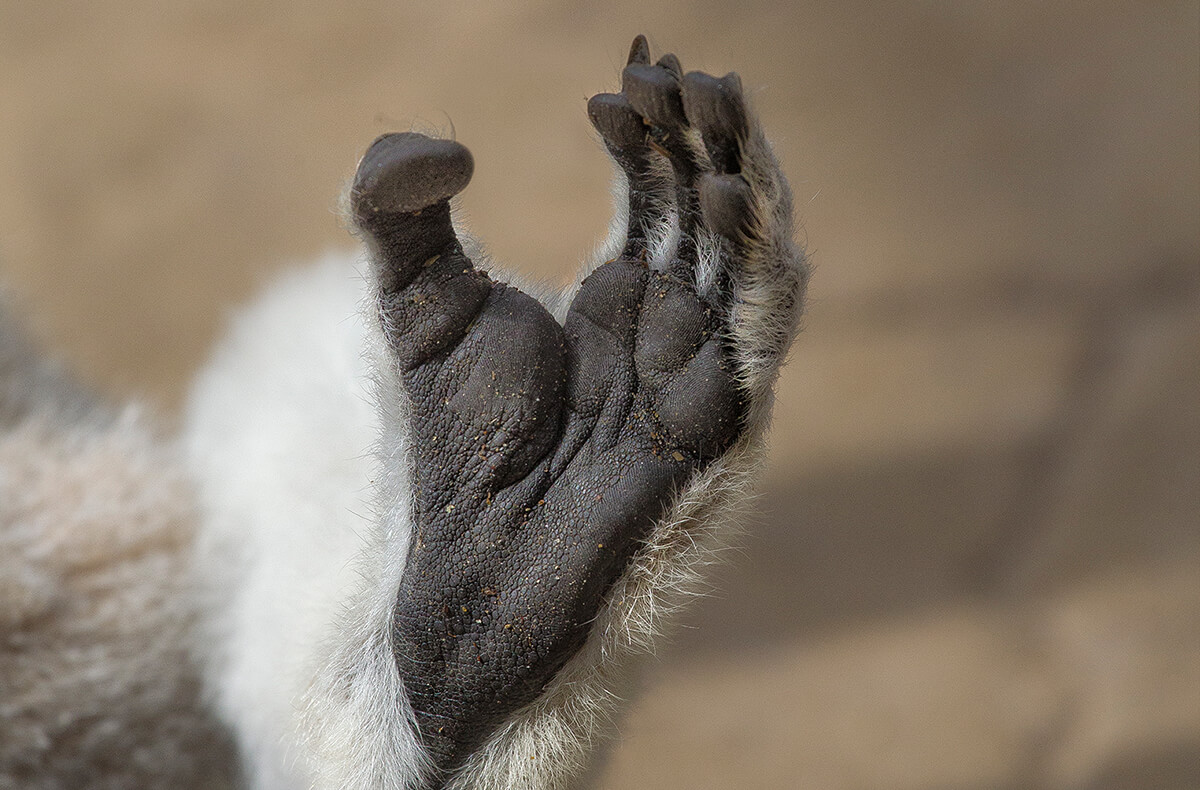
point(98, 687)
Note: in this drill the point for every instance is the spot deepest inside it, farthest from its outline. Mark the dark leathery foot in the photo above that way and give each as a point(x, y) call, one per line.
point(521, 530)
point(544, 454)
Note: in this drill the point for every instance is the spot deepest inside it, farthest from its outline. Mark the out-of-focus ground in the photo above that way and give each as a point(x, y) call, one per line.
point(977, 563)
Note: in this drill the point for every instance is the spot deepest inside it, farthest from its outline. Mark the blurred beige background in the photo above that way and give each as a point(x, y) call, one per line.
point(977, 560)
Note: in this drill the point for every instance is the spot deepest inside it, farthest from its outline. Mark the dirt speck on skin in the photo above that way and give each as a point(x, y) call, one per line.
point(975, 556)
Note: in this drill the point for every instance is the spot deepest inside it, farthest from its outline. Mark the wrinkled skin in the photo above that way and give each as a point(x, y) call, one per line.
point(545, 453)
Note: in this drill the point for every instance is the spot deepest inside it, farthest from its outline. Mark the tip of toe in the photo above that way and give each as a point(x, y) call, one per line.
point(616, 120)
point(405, 171)
point(639, 50)
point(654, 92)
point(671, 64)
point(732, 83)
point(715, 104)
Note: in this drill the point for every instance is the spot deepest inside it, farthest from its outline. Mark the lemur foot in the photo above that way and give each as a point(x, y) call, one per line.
point(544, 454)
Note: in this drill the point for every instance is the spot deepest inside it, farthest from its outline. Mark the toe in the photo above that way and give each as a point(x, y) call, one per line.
point(654, 92)
point(616, 120)
point(639, 51)
point(716, 107)
point(671, 64)
point(405, 172)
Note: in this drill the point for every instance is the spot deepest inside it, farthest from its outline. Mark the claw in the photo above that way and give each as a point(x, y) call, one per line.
point(639, 51)
point(671, 64)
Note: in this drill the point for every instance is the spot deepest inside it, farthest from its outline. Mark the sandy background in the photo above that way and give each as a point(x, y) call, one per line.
point(977, 563)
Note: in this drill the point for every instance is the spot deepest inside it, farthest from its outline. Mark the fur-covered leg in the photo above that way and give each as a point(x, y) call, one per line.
point(31, 383)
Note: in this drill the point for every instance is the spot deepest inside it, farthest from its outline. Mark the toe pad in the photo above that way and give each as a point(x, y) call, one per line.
point(405, 172)
point(616, 120)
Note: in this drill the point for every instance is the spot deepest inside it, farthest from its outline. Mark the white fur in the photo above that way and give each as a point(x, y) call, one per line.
point(279, 431)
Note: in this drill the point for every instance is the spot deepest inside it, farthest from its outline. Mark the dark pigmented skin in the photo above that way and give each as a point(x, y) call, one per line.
point(543, 453)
